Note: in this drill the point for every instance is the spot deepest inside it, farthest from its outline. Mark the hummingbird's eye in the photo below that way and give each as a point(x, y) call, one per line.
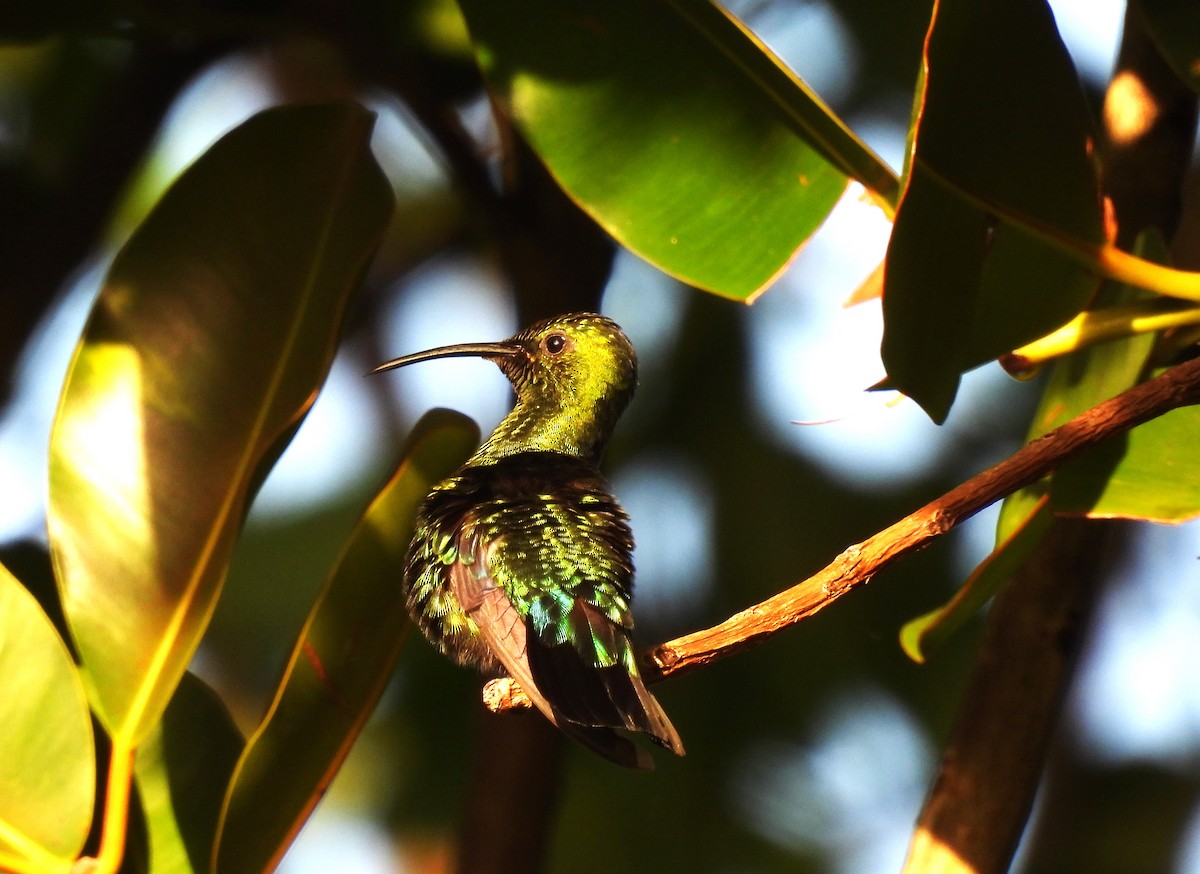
point(555, 344)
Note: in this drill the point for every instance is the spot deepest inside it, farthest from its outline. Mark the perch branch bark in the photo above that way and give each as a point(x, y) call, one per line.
point(1177, 387)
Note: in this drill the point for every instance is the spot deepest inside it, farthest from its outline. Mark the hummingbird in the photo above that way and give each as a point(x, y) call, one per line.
point(521, 561)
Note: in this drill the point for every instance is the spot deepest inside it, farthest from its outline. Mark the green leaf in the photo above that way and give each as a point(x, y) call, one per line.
point(340, 663)
point(674, 129)
point(1092, 375)
point(1077, 382)
point(1175, 27)
point(922, 636)
point(999, 172)
point(47, 763)
point(213, 331)
point(182, 771)
point(1152, 474)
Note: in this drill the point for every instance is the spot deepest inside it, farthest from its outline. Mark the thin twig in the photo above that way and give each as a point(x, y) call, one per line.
point(1176, 387)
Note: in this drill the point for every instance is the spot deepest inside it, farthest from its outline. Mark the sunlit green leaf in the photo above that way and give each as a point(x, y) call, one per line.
point(213, 331)
point(674, 129)
point(1152, 473)
point(182, 771)
point(1149, 473)
point(1175, 26)
point(999, 164)
point(47, 759)
point(340, 663)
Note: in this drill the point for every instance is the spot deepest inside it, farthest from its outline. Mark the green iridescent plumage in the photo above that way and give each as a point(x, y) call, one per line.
point(521, 561)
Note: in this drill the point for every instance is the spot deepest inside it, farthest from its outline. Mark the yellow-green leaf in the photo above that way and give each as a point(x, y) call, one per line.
point(182, 770)
point(210, 337)
point(1151, 474)
point(47, 759)
point(340, 663)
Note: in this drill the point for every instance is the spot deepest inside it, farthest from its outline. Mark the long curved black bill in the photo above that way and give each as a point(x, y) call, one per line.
point(462, 350)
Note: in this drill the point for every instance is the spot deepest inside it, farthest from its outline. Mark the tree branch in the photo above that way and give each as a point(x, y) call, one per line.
point(1176, 387)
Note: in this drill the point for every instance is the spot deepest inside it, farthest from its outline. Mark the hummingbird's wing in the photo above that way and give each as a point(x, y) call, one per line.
point(545, 573)
point(503, 628)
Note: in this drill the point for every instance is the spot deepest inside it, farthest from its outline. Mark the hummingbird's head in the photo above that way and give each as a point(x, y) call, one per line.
point(573, 375)
point(578, 361)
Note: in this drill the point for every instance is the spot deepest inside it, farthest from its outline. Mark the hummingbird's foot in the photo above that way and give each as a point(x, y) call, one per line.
point(505, 693)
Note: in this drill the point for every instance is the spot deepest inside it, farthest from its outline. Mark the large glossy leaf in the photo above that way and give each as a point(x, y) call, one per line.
point(182, 771)
point(998, 166)
point(674, 128)
point(211, 334)
point(47, 760)
point(340, 663)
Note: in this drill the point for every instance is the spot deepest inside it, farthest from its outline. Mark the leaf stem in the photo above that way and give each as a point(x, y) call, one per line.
point(1119, 265)
point(116, 807)
point(1097, 326)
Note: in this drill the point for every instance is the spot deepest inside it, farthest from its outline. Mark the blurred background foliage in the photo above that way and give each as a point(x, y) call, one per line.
point(810, 753)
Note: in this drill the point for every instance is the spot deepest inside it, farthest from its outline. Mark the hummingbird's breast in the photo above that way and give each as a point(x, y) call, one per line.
point(541, 526)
